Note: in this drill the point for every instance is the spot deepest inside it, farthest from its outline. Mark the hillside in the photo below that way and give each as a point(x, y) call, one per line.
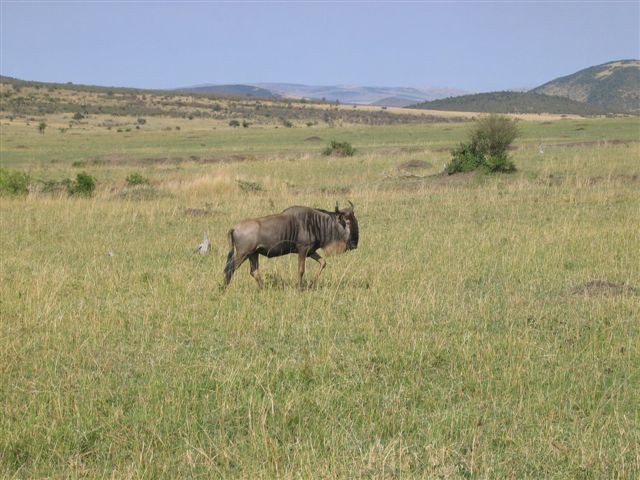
point(613, 86)
point(230, 91)
point(28, 99)
point(361, 95)
point(511, 102)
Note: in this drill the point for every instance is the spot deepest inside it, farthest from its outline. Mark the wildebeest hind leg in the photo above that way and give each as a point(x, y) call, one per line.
point(232, 265)
point(255, 273)
point(322, 263)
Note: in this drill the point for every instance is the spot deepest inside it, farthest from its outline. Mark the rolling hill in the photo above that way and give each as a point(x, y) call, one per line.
point(511, 102)
point(236, 90)
point(350, 94)
point(361, 95)
point(613, 86)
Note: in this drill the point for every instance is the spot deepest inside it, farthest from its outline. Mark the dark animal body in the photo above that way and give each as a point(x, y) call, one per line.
point(300, 230)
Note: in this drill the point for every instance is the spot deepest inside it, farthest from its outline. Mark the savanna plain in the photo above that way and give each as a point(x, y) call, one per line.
point(487, 326)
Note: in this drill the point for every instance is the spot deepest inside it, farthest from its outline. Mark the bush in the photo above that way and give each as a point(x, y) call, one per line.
point(499, 163)
point(84, 185)
point(137, 179)
point(142, 192)
point(234, 123)
point(248, 186)
point(14, 183)
point(464, 159)
point(339, 149)
point(493, 134)
point(487, 148)
point(51, 186)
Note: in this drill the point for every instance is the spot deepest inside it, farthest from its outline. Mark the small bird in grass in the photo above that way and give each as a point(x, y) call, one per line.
point(204, 246)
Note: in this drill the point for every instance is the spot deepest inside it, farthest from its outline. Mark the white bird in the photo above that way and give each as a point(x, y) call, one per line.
point(204, 246)
point(110, 253)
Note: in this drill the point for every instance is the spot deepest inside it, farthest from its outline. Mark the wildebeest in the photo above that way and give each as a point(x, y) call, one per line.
point(301, 230)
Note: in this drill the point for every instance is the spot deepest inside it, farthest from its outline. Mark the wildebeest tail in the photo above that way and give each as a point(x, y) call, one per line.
point(228, 268)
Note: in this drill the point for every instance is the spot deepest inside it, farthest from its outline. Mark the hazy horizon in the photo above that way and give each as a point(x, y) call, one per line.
point(164, 45)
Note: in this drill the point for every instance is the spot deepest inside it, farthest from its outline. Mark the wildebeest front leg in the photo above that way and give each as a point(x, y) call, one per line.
point(302, 256)
point(322, 263)
point(255, 273)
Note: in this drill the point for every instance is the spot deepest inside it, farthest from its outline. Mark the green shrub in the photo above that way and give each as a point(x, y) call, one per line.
point(464, 159)
point(14, 182)
point(52, 186)
point(499, 163)
point(339, 149)
point(493, 134)
point(142, 192)
point(487, 147)
point(84, 185)
point(137, 179)
point(248, 186)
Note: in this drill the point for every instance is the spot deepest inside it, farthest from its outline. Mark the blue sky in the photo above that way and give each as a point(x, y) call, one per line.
point(476, 46)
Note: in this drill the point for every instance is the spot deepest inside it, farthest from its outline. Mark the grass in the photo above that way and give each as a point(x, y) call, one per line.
point(455, 342)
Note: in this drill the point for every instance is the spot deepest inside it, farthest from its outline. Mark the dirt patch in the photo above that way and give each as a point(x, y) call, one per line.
point(313, 139)
point(459, 178)
point(207, 211)
point(442, 149)
point(414, 165)
point(414, 182)
point(21, 147)
point(142, 192)
point(395, 150)
point(554, 180)
point(602, 287)
point(614, 178)
point(121, 159)
point(586, 143)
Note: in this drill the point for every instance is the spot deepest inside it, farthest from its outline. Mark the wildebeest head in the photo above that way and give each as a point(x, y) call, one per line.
point(347, 218)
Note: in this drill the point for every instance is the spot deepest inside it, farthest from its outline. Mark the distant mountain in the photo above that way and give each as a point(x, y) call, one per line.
point(383, 96)
point(511, 102)
point(392, 102)
point(236, 90)
point(613, 86)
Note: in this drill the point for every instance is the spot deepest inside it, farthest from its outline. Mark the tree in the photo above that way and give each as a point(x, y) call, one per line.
point(487, 148)
point(493, 134)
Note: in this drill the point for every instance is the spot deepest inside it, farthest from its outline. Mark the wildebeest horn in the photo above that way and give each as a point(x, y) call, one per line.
point(337, 209)
point(352, 207)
